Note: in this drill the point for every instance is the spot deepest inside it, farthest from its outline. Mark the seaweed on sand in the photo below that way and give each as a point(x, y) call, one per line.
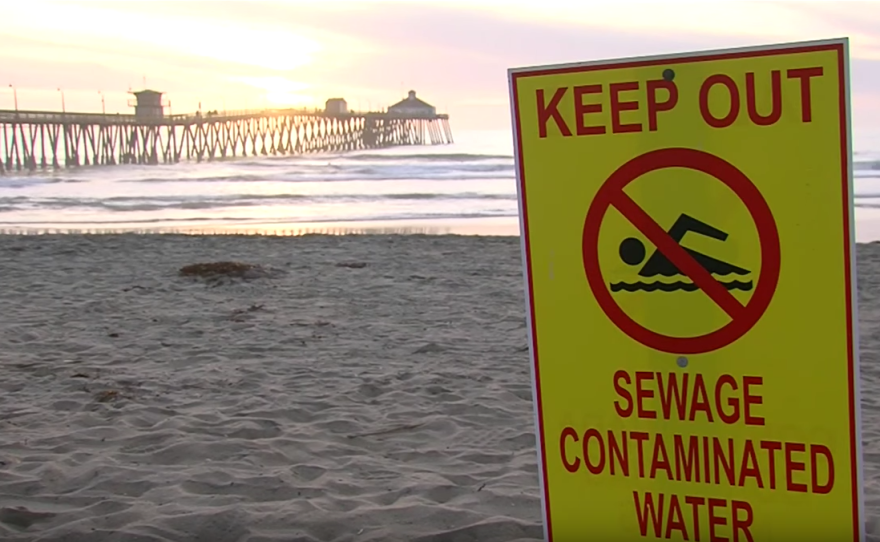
point(226, 270)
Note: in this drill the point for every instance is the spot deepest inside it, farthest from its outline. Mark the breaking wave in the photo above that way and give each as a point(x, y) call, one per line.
point(156, 202)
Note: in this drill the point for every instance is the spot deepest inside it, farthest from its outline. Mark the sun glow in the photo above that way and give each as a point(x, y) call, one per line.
point(280, 91)
point(225, 41)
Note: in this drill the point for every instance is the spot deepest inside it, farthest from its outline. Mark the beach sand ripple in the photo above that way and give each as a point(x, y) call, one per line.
point(376, 390)
point(371, 389)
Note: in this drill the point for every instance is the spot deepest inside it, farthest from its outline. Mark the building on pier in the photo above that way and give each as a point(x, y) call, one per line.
point(412, 106)
point(336, 106)
point(148, 104)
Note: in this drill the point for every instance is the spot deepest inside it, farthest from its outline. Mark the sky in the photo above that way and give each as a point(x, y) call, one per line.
point(238, 55)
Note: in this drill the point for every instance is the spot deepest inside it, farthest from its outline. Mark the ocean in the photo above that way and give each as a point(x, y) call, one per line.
point(467, 187)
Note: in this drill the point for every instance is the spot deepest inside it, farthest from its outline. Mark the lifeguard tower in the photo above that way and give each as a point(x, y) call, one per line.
point(148, 104)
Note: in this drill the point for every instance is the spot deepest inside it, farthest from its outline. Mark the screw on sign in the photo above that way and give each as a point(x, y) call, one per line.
point(671, 254)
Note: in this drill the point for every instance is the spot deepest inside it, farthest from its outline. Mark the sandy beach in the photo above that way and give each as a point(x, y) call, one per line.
point(359, 388)
point(330, 401)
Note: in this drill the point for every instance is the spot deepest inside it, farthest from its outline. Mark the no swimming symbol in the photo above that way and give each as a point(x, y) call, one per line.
point(632, 252)
point(670, 258)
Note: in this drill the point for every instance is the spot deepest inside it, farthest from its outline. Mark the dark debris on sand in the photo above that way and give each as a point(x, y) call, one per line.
point(352, 265)
point(21, 517)
point(226, 270)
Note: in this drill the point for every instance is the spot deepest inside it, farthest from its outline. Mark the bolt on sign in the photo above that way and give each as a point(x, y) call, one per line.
point(688, 243)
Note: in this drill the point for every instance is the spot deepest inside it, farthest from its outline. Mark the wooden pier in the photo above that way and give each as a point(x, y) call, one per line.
point(31, 140)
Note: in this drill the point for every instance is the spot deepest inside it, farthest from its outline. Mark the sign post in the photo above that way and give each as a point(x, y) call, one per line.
point(689, 259)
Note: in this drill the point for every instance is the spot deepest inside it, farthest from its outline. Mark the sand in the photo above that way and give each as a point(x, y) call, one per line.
point(358, 388)
point(329, 401)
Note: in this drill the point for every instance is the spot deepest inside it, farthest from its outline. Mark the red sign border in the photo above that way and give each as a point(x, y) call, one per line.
point(745, 191)
point(838, 47)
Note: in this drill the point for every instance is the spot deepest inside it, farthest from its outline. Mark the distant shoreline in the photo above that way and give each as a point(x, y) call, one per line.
point(867, 228)
point(507, 226)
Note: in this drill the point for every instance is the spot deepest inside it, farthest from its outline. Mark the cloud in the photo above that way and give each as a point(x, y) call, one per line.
point(454, 55)
point(444, 23)
point(860, 21)
point(460, 58)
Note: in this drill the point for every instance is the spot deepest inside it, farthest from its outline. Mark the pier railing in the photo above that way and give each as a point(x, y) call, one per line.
point(32, 140)
point(24, 116)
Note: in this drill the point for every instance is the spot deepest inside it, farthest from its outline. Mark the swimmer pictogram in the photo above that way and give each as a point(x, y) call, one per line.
point(633, 252)
point(703, 272)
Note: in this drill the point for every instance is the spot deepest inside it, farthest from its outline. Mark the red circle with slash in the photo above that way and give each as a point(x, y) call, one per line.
point(743, 317)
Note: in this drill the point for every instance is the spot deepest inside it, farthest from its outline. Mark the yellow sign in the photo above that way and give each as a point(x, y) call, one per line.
point(687, 231)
